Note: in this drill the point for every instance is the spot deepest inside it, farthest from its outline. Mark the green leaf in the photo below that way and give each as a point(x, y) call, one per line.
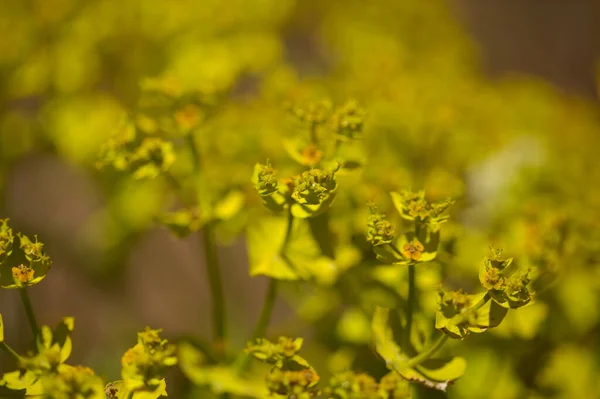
point(459, 325)
point(230, 205)
point(302, 258)
point(303, 211)
point(28, 381)
point(274, 202)
point(159, 391)
point(438, 373)
point(220, 379)
point(386, 253)
point(490, 315)
point(61, 336)
point(302, 151)
point(123, 392)
point(181, 223)
point(1, 329)
point(354, 327)
point(398, 202)
point(433, 373)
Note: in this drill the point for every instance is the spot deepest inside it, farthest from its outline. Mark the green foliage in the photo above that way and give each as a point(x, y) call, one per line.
point(434, 373)
point(167, 107)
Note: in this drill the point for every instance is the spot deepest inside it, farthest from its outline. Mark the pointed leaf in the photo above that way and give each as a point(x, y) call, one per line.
point(230, 205)
point(221, 379)
point(433, 373)
point(490, 315)
point(302, 258)
point(15, 380)
point(439, 373)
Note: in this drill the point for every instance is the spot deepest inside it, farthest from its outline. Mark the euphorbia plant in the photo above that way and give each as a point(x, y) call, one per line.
point(298, 241)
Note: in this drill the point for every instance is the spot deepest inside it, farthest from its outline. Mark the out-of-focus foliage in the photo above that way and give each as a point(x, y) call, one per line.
point(177, 101)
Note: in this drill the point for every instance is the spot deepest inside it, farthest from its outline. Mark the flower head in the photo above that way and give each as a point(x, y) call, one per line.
point(265, 179)
point(413, 250)
point(23, 274)
point(379, 229)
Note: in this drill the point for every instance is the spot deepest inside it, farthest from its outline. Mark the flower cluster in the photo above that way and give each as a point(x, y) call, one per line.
point(130, 150)
point(508, 286)
point(313, 187)
point(145, 364)
point(73, 382)
point(313, 113)
point(265, 179)
point(350, 385)
point(24, 265)
point(292, 383)
point(379, 230)
point(413, 206)
point(416, 245)
point(348, 120)
point(290, 375)
point(275, 353)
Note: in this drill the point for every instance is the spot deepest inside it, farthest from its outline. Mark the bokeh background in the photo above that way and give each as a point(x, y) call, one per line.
point(493, 102)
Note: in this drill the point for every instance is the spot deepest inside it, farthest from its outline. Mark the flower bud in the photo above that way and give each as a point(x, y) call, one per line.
point(313, 187)
point(379, 230)
point(265, 179)
point(348, 120)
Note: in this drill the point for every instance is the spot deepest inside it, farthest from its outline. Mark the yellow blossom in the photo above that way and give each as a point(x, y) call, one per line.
point(413, 250)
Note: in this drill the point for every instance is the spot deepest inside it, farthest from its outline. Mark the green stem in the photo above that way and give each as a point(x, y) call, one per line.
point(4, 346)
point(194, 150)
point(429, 352)
point(288, 232)
point(417, 230)
point(320, 230)
point(269, 302)
point(410, 304)
point(267, 309)
point(29, 310)
point(215, 283)
point(265, 314)
point(313, 134)
point(426, 354)
point(263, 322)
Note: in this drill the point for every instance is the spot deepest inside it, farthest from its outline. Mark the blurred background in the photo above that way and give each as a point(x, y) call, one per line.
point(492, 102)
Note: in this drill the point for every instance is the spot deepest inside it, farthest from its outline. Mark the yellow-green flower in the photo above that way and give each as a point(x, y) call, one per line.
point(413, 250)
point(23, 274)
point(418, 208)
point(492, 279)
point(379, 230)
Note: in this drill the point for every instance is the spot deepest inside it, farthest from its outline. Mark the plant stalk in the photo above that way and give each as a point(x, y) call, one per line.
point(4, 346)
point(29, 310)
point(429, 352)
point(313, 134)
point(267, 309)
point(216, 285)
point(195, 154)
point(410, 304)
